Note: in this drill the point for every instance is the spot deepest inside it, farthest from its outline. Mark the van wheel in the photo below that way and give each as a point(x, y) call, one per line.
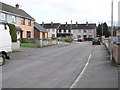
point(2, 60)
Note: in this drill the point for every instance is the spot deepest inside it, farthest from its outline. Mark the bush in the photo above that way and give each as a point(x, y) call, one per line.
point(88, 39)
point(68, 39)
point(13, 32)
point(28, 40)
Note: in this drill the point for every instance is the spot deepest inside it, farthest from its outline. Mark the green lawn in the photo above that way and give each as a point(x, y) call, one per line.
point(32, 45)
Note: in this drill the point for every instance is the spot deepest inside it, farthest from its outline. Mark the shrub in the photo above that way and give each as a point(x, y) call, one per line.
point(68, 39)
point(88, 39)
point(13, 32)
point(28, 40)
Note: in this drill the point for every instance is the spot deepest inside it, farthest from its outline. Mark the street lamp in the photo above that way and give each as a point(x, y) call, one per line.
point(111, 54)
point(71, 29)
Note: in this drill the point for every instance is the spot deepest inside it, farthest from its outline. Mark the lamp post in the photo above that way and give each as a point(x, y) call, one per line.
point(71, 29)
point(111, 54)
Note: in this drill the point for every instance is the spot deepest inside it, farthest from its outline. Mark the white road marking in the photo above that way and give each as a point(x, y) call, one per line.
point(80, 75)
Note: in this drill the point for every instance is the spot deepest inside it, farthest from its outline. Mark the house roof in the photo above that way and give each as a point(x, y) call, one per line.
point(13, 10)
point(51, 25)
point(77, 26)
point(39, 27)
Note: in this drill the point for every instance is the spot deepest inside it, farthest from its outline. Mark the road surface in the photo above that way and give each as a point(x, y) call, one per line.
point(57, 67)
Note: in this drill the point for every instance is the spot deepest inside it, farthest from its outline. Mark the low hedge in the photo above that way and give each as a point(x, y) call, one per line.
point(28, 40)
point(88, 39)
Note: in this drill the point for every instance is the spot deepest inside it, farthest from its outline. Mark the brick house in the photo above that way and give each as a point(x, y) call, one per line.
point(40, 32)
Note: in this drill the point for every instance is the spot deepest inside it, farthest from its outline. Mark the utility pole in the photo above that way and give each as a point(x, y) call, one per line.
point(71, 29)
point(111, 54)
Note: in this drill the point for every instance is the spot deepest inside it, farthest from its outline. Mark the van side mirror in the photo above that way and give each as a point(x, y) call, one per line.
point(5, 27)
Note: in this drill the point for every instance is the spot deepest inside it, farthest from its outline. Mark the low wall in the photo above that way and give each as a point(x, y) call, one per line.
point(116, 52)
point(43, 43)
point(15, 45)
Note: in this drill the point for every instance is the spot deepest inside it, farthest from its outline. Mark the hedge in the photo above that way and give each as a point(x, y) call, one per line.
point(13, 32)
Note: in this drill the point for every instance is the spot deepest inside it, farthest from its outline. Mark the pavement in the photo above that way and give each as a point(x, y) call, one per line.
point(59, 66)
point(100, 72)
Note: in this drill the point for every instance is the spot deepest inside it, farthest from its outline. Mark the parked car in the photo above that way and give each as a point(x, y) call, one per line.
point(96, 40)
point(5, 42)
point(75, 39)
point(80, 39)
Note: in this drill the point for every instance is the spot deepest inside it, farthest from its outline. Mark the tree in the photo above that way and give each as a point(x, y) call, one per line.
point(105, 30)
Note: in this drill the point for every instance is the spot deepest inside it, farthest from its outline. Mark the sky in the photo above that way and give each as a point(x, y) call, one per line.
point(62, 11)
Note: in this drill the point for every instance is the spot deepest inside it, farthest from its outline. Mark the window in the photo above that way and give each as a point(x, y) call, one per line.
point(53, 35)
point(23, 21)
point(3, 16)
point(79, 31)
point(13, 19)
point(89, 31)
point(43, 35)
point(90, 36)
point(85, 36)
point(78, 36)
point(64, 30)
point(69, 31)
point(53, 30)
point(29, 22)
point(85, 31)
point(28, 34)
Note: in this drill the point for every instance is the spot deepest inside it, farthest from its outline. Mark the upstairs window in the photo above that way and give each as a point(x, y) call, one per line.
point(3, 16)
point(85, 31)
point(29, 22)
point(23, 21)
point(13, 19)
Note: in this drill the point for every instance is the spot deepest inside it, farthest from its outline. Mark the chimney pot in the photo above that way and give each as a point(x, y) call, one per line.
point(51, 23)
point(17, 6)
point(86, 23)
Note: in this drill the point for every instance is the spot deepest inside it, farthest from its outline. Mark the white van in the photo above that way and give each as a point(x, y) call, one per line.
point(5, 42)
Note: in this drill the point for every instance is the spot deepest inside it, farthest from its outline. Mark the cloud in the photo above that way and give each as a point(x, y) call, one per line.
point(65, 10)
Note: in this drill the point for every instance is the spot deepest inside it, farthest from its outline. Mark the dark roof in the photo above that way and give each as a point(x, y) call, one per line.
point(49, 25)
point(14, 10)
point(77, 26)
point(39, 27)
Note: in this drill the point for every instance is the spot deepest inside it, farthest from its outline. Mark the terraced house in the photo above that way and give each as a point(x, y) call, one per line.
point(87, 30)
point(52, 28)
point(22, 20)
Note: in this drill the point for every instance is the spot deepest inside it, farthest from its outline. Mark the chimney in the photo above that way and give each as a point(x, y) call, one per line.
point(76, 24)
point(86, 23)
point(42, 23)
point(66, 24)
point(51, 23)
point(17, 6)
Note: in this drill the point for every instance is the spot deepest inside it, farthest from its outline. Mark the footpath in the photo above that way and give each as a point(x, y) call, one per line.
point(100, 72)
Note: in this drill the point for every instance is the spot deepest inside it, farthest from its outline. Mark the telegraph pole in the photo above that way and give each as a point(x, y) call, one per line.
point(111, 54)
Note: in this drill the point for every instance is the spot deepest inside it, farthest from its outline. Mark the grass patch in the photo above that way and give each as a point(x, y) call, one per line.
point(32, 45)
point(15, 50)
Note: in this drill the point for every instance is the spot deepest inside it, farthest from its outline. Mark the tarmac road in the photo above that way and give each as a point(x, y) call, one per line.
point(59, 67)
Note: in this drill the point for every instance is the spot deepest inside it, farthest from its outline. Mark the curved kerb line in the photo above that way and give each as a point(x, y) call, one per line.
point(80, 75)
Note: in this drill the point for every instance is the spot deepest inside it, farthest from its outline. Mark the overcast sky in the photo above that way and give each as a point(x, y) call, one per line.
point(93, 11)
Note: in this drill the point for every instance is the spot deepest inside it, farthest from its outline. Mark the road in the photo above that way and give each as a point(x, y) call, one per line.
point(53, 67)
